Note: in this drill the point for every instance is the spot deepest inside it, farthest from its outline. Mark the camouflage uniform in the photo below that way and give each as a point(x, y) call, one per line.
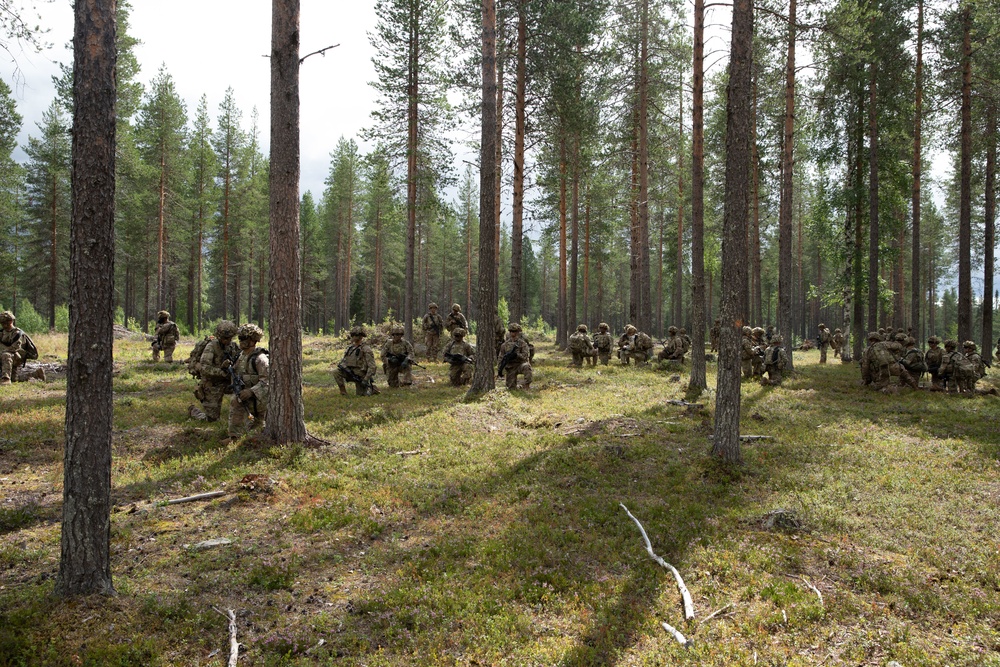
point(603, 341)
point(12, 353)
point(875, 362)
point(746, 352)
point(775, 362)
point(456, 320)
point(397, 347)
point(460, 372)
point(714, 333)
point(359, 360)
point(953, 375)
point(581, 347)
point(997, 352)
point(252, 367)
point(433, 325)
point(911, 364)
point(671, 346)
point(520, 363)
point(166, 337)
point(759, 346)
point(499, 335)
point(968, 380)
point(685, 340)
point(220, 353)
point(626, 345)
point(838, 342)
point(824, 342)
point(933, 359)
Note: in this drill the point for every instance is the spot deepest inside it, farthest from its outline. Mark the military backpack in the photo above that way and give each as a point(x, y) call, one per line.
point(193, 362)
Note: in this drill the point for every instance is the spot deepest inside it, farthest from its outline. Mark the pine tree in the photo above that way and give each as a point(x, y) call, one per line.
point(229, 141)
point(11, 197)
point(201, 204)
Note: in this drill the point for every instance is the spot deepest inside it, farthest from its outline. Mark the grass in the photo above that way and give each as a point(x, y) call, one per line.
point(431, 531)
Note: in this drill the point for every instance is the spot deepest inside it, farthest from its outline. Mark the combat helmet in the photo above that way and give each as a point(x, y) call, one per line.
point(682, 331)
point(776, 340)
point(431, 305)
point(630, 330)
point(582, 328)
point(225, 329)
point(251, 332)
point(603, 326)
point(758, 331)
point(672, 330)
point(163, 315)
point(397, 330)
point(747, 330)
point(514, 326)
point(358, 330)
point(874, 335)
point(901, 337)
point(822, 326)
point(950, 344)
point(458, 332)
point(837, 330)
point(455, 307)
point(7, 316)
point(910, 340)
point(934, 340)
point(969, 345)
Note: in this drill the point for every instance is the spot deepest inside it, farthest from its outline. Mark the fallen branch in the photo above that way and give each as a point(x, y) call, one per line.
point(676, 633)
point(412, 452)
point(749, 438)
point(685, 594)
point(813, 589)
point(234, 646)
point(197, 496)
point(321, 52)
point(714, 614)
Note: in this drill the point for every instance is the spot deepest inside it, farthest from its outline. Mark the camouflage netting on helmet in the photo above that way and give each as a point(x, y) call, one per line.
point(225, 329)
point(250, 331)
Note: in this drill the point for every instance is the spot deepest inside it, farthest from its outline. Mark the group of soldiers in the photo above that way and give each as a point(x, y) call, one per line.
point(896, 354)
point(761, 355)
point(632, 345)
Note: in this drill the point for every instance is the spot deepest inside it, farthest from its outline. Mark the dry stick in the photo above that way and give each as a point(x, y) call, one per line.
point(199, 496)
point(814, 590)
point(234, 646)
point(714, 614)
point(676, 633)
point(412, 452)
point(685, 594)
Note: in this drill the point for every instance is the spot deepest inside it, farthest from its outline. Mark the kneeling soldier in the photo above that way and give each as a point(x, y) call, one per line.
point(775, 362)
point(514, 358)
point(250, 380)
point(219, 354)
point(461, 358)
point(602, 342)
point(397, 358)
point(358, 365)
point(166, 335)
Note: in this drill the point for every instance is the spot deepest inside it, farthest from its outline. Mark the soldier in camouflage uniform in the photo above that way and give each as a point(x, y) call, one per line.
point(875, 362)
point(933, 359)
point(433, 325)
point(397, 358)
point(671, 346)
point(252, 367)
point(626, 344)
point(838, 342)
point(968, 380)
point(824, 342)
point(520, 357)
point(580, 346)
point(166, 337)
point(997, 352)
point(12, 352)
point(759, 346)
point(911, 364)
point(952, 372)
point(775, 362)
point(603, 340)
point(219, 355)
point(460, 370)
point(456, 319)
point(357, 366)
point(685, 341)
point(714, 333)
point(747, 352)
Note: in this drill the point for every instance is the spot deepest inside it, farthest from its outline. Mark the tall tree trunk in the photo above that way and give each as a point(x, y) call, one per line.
point(562, 335)
point(756, 309)
point(645, 314)
point(915, 292)
point(483, 379)
point(897, 278)
point(410, 277)
point(679, 277)
point(785, 277)
point(161, 236)
point(500, 60)
point(873, 221)
point(517, 220)
point(856, 188)
point(377, 296)
point(699, 315)
point(85, 556)
point(634, 301)
point(53, 254)
point(586, 255)
point(989, 220)
point(574, 242)
point(965, 196)
point(285, 414)
point(739, 123)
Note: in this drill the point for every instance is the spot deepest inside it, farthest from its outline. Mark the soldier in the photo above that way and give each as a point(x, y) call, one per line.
point(971, 376)
point(746, 352)
point(397, 358)
point(213, 370)
point(671, 346)
point(954, 368)
point(997, 352)
point(433, 325)
point(838, 342)
point(252, 370)
point(462, 358)
point(514, 358)
point(824, 342)
point(685, 340)
point(774, 362)
point(499, 334)
point(911, 365)
point(456, 319)
point(759, 346)
point(603, 342)
point(933, 359)
point(580, 346)
point(626, 344)
point(714, 333)
point(358, 365)
point(13, 351)
point(875, 362)
point(165, 337)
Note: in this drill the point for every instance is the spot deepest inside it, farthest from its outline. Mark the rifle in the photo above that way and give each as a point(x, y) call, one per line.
point(457, 359)
point(506, 359)
point(236, 382)
point(366, 385)
point(403, 361)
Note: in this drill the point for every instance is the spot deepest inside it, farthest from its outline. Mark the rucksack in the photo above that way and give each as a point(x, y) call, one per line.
point(28, 345)
point(252, 362)
point(883, 357)
point(643, 342)
point(914, 361)
point(193, 362)
point(578, 343)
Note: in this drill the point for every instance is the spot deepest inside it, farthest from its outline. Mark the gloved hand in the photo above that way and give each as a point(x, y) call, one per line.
point(226, 364)
point(246, 394)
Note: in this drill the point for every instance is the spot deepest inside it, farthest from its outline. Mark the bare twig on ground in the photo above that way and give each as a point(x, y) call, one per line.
point(234, 646)
point(714, 614)
point(197, 496)
point(813, 589)
point(412, 452)
point(685, 594)
point(676, 633)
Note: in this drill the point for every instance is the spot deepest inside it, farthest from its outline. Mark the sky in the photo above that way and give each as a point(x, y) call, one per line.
point(208, 46)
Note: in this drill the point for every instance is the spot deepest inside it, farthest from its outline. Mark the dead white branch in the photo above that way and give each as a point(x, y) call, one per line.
point(412, 452)
point(685, 594)
point(197, 496)
point(813, 589)
point(714, 614)
point(234, 646)
point(676, 633)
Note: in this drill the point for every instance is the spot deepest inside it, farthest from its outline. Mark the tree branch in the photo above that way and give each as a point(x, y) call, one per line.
point(321, 52)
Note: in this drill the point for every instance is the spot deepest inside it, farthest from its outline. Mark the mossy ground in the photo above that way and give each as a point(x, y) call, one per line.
point(431, 531)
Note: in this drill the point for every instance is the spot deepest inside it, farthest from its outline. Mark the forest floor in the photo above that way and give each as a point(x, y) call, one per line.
point(430, 531)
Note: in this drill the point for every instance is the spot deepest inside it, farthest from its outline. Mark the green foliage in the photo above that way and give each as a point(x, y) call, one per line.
point(28, 319)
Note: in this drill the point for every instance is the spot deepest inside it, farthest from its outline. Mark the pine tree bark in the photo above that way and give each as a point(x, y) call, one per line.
point(965, 194)
point(85, 558)
point(873, 221)
point(678, 314)
point(755, 310)
point(915, 292)
point(562, 335)
point(645, 315)
point(483, 379)
point(574, 250)
point(785, 276)
point(409, 311)
point(285, 414)
point(517, 217)
point(698, 301)
point(989, 220)
point(739, 119)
